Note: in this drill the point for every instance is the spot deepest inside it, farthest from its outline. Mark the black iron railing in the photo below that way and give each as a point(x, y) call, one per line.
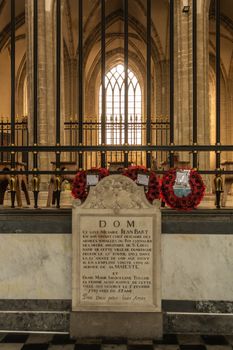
point(117, 136)
point(21, 137)
point(91, 143)
point(91, 136)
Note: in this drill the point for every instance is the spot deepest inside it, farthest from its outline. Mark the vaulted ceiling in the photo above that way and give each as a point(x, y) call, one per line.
point(137, 11)
point(226, 9)
point(5, 11)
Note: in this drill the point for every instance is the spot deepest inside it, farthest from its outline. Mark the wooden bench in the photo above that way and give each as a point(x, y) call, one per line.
point(21, 182)
point(117, 166)
point(182, 164)
point(68, 177)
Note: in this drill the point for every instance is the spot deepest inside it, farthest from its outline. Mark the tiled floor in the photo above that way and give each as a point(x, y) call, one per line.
point(15, 341)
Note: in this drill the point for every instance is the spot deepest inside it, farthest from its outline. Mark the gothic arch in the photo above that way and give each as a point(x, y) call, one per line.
point(67, 80)
point(206, 5)
point(113, 58)
point(158, 67)
point(95, 35)
point(92, 14)
point(115, 105)
point(226, 87)
point(6, 32)
point(140, 58)
point(20, 81)
point(2, 5)
point(226, 124)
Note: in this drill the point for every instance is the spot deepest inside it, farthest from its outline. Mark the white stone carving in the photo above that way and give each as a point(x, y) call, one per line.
point(116, 192)
point(116, 249)
point(76, 203)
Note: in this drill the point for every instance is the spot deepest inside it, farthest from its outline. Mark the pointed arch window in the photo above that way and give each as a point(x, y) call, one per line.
point(115, 107)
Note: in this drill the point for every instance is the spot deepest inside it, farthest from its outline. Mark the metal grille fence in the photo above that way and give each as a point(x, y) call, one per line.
point(21, 139)
point(83, 145)
point(91, 135)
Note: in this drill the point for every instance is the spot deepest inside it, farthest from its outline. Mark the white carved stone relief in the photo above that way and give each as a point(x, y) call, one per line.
point(116, 192)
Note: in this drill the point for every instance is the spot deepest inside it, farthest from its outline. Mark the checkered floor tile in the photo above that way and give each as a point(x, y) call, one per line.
point(14, 341)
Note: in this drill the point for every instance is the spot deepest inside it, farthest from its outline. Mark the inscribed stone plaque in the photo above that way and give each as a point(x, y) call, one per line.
point(116, 249)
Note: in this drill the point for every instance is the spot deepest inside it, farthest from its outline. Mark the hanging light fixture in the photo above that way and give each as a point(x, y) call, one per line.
point(186, 6)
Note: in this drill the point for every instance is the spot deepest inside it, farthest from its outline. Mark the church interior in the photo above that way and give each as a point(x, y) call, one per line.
point(166, 104)
point(89, 84)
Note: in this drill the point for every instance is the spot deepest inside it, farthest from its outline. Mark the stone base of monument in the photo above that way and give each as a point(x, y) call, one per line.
point(116, 253)
point(129, 325)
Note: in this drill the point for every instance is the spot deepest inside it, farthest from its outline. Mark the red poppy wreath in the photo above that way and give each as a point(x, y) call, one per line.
point(182, 189)
point(153, 186)
point(80, 188)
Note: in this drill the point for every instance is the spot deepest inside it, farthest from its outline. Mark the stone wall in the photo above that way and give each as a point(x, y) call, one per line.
point(196, 259)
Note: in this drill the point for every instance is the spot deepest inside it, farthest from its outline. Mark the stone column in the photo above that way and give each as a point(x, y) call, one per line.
point(203, 81)
point(46, 79)
point(230, 110)
point(203, 87)
point(183, 79)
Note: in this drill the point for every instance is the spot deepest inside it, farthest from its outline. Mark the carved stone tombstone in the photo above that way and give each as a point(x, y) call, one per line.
point(116, 263)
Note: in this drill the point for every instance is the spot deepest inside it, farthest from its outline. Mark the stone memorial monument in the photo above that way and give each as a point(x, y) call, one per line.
point(116, 262)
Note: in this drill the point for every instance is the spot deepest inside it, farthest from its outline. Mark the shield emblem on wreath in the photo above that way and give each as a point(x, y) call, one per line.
point(181, 186)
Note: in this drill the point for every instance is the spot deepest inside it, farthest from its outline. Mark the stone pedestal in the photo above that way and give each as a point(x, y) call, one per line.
point(116, 263)
point(133, 325)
